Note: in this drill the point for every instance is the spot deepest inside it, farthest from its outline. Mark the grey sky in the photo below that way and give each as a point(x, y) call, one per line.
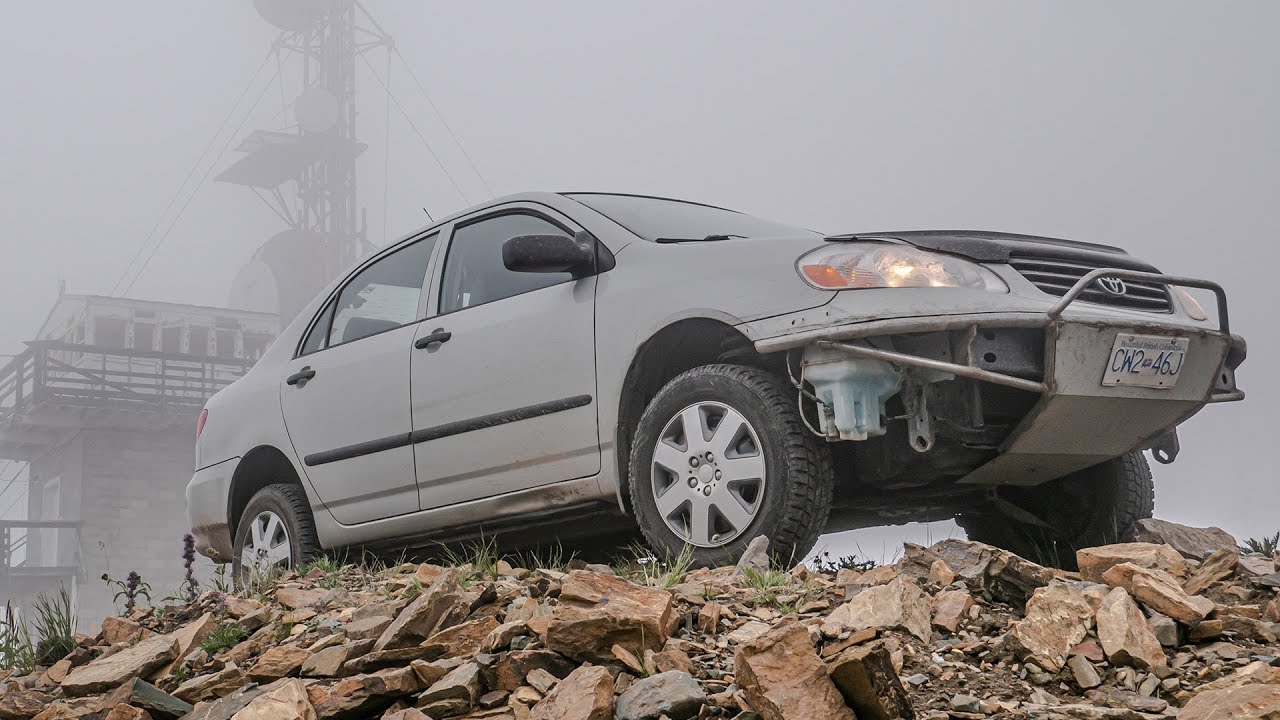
point(1150, 125)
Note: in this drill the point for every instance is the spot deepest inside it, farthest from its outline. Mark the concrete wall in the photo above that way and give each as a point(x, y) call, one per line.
point(127, 488)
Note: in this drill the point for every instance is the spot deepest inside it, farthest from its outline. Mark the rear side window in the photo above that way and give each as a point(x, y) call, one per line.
point(381, 297)
point(473, 269)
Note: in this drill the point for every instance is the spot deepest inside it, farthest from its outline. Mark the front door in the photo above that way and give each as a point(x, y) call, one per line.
point(504, 376)
point(346, 396)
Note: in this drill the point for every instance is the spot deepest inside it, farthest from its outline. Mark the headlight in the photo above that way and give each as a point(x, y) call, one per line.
point(847, 266)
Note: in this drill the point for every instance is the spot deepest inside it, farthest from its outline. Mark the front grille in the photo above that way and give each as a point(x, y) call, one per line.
point(1056, 277)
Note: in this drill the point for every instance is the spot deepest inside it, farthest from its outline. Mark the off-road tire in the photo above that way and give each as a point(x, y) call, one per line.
point(289, 502)
point(1095, 506)
point(799, 475)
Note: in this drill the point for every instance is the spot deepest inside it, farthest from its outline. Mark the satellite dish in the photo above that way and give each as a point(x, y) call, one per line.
point(296, 14)
point(316, 110)
point(284, 275)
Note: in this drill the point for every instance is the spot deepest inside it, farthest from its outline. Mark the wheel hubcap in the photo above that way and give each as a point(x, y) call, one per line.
point(267, 546)
point(708, 474)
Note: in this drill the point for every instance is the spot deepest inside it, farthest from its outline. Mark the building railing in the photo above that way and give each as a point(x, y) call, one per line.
point(39, 549)
point(91, 376)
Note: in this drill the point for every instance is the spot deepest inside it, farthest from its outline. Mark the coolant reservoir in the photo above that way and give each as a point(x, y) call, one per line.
point(855, 388)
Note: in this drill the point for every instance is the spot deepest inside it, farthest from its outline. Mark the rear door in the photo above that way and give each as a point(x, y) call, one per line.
point(346, 396)
point(504, 375)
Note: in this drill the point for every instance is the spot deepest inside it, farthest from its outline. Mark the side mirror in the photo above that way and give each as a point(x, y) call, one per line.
point(550, 253)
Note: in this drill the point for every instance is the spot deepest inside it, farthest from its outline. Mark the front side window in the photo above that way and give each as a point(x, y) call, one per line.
point(473, 270)
point(381, 297)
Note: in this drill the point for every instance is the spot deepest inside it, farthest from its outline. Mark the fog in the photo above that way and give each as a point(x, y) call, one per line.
point(1148, 125)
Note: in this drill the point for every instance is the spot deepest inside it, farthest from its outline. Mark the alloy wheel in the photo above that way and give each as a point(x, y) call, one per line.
point(708, 474)
point(267, 548)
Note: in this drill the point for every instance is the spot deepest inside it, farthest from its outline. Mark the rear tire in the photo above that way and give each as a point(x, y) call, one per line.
point(1095, 506)
point(275, 533)
point(777, 476)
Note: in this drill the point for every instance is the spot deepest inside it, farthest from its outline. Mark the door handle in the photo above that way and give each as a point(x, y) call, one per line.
point(439, 335)
point(305, 373)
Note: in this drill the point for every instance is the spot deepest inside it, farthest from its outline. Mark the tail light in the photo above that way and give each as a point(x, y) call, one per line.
point(204, 415)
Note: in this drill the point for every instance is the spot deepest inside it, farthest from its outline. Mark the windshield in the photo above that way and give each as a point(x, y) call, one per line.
point(660, 219)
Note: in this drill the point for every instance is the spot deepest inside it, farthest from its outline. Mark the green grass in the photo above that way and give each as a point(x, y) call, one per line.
point(477, 560)
point(1265, 545)
point(767, 585)
point(641, 566)
point(17, 652)
point(333, 570)
point(54, 622)
point(223, 637)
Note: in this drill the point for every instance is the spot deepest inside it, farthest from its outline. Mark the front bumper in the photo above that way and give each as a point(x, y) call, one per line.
point(1077, 422)
point(208, 496)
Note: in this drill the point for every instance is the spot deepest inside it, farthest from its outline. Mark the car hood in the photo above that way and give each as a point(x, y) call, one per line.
point(998, 247)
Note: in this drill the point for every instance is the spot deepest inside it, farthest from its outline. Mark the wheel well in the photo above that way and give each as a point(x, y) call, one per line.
point(260, 467)
point(678, 347)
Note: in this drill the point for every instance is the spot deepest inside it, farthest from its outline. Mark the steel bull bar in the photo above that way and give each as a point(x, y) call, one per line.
point(1051, 319)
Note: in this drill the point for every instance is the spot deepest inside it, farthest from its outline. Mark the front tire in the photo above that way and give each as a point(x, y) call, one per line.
point(275, 533)
point(1095, 506)
point(721, 456)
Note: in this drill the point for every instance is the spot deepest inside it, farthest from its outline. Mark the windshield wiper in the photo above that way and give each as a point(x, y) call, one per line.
point(708, 238)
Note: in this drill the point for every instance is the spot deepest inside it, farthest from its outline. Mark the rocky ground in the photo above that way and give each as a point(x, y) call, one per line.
point(1181, 625)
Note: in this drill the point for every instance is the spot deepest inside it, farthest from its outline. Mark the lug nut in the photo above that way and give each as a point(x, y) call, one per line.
point(710, 457)
point(693, 462)
point(706, 490)
point(717, 474)
point(693, 482)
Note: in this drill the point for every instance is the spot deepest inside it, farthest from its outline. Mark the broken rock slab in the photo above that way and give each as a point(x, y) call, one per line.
point(596, 612)
point(867, 679)
point(1246, 702)
point(1220, 565)
point(419, 620)
point(783, 678)
point(1095, 561)
point(285, 700)
point(1126, 637)
point(674, 695)
point(111, 671)
point(950, 608)
point(587, 694)
point(1058, 616)
point(899, 604)
point(1159, 592)
point(986, 568)
point(1191, 542)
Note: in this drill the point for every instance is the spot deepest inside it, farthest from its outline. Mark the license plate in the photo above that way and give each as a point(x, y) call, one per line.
point(1145, 360)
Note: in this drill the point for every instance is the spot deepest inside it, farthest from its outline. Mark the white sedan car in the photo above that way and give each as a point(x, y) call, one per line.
point(548, 365)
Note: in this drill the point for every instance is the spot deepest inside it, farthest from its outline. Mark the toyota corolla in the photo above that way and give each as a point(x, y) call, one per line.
point(572, 363)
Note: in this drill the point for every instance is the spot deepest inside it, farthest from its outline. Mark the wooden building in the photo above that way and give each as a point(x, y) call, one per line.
point(102, 407)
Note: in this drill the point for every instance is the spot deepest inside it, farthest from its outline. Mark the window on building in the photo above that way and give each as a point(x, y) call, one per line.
point(171, 339)
point(226, 343)
point(144, 336)
point(198, 340)
point(110, 332)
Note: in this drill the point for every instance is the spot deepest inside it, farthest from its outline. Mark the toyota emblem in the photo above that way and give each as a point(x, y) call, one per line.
point(1113, 286)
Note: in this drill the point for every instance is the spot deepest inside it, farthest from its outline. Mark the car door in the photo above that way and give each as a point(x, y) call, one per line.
point(504, 374)
point(345, 397)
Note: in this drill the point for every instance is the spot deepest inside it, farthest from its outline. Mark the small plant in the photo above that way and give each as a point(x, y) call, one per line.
point(55, 625)
point(767, 584)
point(223, 637)
point(17, 652)
point(646, 569)
point(825, 563)
point(550, 558)
point(190, 587)
point(221, 583)
point(477, 560)
point(332, 571)
point(1264, 545)
point(130, 589)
